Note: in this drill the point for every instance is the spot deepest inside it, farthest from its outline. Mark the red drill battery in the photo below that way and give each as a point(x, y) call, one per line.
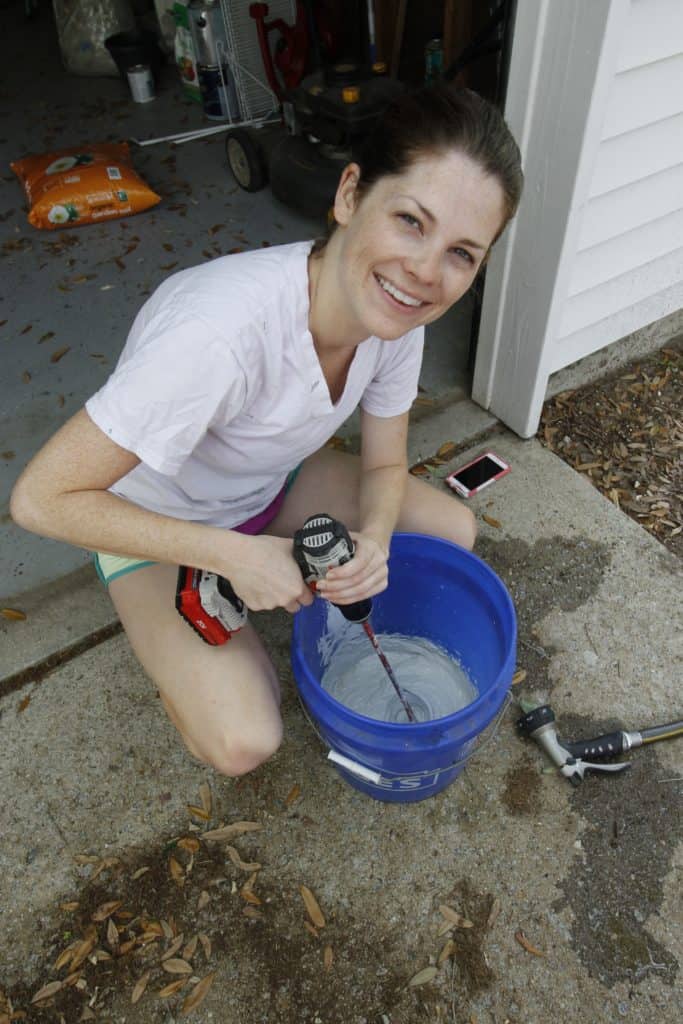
point(209, 604)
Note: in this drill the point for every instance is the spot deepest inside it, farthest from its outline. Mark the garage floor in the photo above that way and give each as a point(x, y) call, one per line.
point(76, 291)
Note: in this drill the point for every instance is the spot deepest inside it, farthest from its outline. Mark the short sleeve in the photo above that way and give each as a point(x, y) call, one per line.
point(174, 378)
point(393, 388)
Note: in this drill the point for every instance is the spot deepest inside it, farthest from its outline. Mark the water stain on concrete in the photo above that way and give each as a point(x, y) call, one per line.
point(555, 572)
point(617, 879)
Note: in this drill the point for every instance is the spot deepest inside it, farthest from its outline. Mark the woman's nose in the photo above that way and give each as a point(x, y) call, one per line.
point(425, 266)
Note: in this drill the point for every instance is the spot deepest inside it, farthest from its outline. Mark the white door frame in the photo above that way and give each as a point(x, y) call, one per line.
point(563, 60)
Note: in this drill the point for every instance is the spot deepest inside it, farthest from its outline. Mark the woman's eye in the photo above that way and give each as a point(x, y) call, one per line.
point(409, 219)
point(464, 254)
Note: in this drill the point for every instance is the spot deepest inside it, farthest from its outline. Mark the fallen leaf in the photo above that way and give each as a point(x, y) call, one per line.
point(84, 949)
point(227, 832)
point(205, 797)
point(112, 935)
point(66, 955)
point(189, 843)
point(168, 266)
point(247, 891)
point(239, 863)
point(519, 677)
point(198, 994)
point(309, 928)
point(190, 949)
point(139, 873)
point(216, 228)
point(294, 794)
point(47, 991)
point(8, 455)
point(198, 812)
point(524, 942)
point(203, 900)
point(140, 986)
point(26, 377)
point(454, 918)
point(177, 873)
point(447, 951)
point(71, 905)
point(419, 469)
point(447, 450)
point(252, 912)
point(312, 907)
point(29, 327)
point(13, 614)
point(23, 704)
point(496, 905)
point(422, 977)
point(60, 352)
point(169, 990)
point(491, 521)
point(328, 957)
point(105, 910)
point(87, 1014)
point(206, 944)
point(173, 948)
point(176, 966)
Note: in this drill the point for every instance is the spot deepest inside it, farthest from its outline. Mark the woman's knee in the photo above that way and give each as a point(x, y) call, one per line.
point(465, 528)
point(237, 753)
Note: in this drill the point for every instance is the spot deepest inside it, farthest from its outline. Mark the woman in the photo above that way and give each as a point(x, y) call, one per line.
point(236, 373)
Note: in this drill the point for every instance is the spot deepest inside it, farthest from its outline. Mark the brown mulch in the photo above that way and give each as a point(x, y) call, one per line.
point(625, 433)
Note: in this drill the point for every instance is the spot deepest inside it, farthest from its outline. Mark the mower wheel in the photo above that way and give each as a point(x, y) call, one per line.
point(246, 160)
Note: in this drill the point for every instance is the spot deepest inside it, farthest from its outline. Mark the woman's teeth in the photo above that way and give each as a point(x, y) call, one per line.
point(397, 294)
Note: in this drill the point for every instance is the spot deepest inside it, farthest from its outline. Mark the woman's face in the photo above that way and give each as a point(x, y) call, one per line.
point(412, 245)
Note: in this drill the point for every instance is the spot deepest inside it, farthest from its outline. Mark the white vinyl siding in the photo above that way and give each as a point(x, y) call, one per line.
point(627, 270)
point(595, 100)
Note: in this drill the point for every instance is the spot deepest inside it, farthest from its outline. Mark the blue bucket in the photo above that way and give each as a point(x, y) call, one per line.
point(445, 594)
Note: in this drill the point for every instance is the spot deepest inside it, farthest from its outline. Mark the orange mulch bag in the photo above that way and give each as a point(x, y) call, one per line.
point(82, 185)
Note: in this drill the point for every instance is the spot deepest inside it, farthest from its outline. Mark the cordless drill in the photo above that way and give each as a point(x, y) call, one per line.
point(213, 609)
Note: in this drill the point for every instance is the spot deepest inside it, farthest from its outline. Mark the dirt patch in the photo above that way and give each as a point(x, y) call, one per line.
point(625, 434)
point(523, 788)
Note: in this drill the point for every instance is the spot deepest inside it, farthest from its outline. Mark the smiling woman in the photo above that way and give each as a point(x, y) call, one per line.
point(206, 446)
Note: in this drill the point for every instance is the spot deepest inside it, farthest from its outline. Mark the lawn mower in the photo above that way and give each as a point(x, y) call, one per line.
point(326, 113)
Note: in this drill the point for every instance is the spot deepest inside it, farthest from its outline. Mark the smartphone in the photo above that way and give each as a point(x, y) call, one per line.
point(478, 474)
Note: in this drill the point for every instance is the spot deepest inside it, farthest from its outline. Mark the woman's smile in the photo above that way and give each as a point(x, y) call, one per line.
point(398, 296)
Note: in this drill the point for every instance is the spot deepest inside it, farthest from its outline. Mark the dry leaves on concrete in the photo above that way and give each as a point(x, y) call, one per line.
point(625, 435)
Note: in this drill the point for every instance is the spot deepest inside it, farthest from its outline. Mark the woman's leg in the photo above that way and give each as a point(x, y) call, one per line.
point(329, 481)
point(224, 700)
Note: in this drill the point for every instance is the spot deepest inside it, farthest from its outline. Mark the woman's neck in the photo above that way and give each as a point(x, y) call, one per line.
point(329, 320)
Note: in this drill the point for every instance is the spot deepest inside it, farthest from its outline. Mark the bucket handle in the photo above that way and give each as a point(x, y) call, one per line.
point(371, 775)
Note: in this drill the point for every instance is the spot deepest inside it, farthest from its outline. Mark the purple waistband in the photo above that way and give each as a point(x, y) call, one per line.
point(259, 522)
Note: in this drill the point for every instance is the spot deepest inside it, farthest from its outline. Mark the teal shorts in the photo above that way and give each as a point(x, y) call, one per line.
point(110, 567)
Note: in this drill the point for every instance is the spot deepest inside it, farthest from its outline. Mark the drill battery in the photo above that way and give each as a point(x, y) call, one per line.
point(209, 604)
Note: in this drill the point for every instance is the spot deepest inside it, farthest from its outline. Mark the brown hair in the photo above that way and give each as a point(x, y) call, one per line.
point(436, 119)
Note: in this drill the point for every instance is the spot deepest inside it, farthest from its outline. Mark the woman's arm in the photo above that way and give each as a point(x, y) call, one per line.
point(384, 468)
point(384, 465)
point(63, 494)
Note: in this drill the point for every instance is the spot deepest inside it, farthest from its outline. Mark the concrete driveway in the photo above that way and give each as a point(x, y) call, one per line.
point(573, 894)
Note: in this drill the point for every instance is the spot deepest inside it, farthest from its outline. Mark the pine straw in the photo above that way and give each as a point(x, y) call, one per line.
point(625, 433)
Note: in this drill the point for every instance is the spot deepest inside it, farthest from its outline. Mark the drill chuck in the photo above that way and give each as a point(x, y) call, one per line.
point(321, 544)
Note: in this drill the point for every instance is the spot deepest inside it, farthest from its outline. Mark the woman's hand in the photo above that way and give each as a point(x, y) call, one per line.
point(268, 577)
point(364, 576)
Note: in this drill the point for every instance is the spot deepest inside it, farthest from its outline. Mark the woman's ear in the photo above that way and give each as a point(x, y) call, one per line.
point(346, 197)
